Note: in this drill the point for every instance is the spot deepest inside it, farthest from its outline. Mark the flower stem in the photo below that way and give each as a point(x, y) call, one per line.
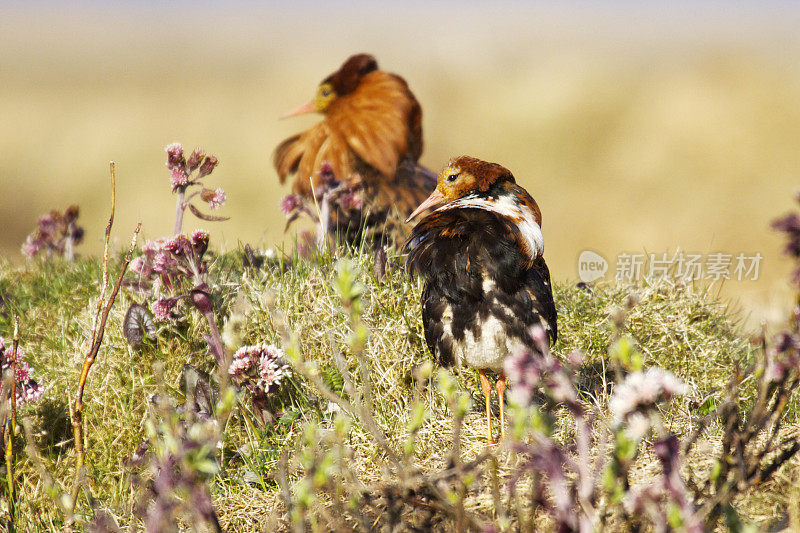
point(180, 207)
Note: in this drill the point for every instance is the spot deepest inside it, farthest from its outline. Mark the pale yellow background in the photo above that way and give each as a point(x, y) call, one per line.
point(636, 128)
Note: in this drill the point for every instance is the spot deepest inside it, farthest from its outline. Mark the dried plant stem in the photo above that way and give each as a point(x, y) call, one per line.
point(10, 431)
point(214, 340)
point(101, 318)
point(69, 243)
point(180, 207)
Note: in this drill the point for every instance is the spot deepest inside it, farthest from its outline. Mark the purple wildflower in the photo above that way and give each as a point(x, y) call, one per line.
point(137, 264)
point(185, 174)
point(208, 166)
point(178, 178)
point(241, 363)
point(350, 201)
point(525, 368)
point(162, 309)
point(306, 242)
point(643, 390)
point(270, 372)
point(195, 159)
point(55, 233)
point(215, 198)
point(261, 366)
point(47, 223)
point(163, 263)
point(32, 246)
point(790, 225)
point(785, 357)
point(179, 245)
point(29, 393)
point(175, 156)
point(326, 175)
point(28, 389)
point(200, 240)
point(290, 203)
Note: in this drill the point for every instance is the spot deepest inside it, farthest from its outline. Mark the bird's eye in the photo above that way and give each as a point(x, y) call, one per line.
point(452, 177)
point(326, 92)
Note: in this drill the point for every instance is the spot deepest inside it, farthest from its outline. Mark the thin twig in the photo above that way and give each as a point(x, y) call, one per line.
point(101, 318)
point(106, 239)
point(77, 413)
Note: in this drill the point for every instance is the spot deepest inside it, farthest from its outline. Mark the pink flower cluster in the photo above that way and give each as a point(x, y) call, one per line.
point(790, 225)
point(28, 389)
point(181, 171)
point(530, 368)
point(642, 391)
point(56, 233)
point(165, 263)
point(214, 197)
point(330, 193)
point(261, 366)
point(291, 203)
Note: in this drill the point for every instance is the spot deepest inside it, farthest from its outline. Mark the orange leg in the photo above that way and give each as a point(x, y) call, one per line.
point(487, 391)
point(501, 390)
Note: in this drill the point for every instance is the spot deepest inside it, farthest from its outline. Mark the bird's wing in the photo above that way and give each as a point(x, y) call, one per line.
point(303, 154)
point(374, 120)
point(434, 306)
point(540, 290)
point(287, 156)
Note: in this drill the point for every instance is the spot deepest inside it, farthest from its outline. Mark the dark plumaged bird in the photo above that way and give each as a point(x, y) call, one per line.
point(486, 282)
point(371, 138)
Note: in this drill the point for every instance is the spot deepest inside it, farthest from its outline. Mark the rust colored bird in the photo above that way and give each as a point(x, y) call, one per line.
point(371, 139)
point(486, 281)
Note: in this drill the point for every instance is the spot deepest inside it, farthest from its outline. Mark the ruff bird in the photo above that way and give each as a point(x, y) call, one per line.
point(370, 138)
point(486, 282)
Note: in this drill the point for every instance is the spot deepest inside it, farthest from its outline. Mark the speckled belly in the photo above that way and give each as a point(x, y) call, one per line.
point(484, 345)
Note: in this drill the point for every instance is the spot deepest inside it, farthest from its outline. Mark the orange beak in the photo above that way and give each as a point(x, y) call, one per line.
point(435, 198)
point(308, 107)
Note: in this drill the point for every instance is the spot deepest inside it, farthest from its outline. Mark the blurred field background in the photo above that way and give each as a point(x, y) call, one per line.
point(638, 128)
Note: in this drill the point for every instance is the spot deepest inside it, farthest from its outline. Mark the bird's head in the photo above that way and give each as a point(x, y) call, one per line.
point(342, 82)
point(464, 176)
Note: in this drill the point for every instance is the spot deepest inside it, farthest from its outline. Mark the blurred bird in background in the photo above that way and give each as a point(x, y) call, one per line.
point(486, 281)
point(369, 141)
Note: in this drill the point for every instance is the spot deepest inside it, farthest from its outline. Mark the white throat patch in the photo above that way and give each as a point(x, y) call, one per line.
point(505, 206)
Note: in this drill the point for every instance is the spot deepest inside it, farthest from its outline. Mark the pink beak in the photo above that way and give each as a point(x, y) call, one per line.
point(435, 198)
point(308, 107)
